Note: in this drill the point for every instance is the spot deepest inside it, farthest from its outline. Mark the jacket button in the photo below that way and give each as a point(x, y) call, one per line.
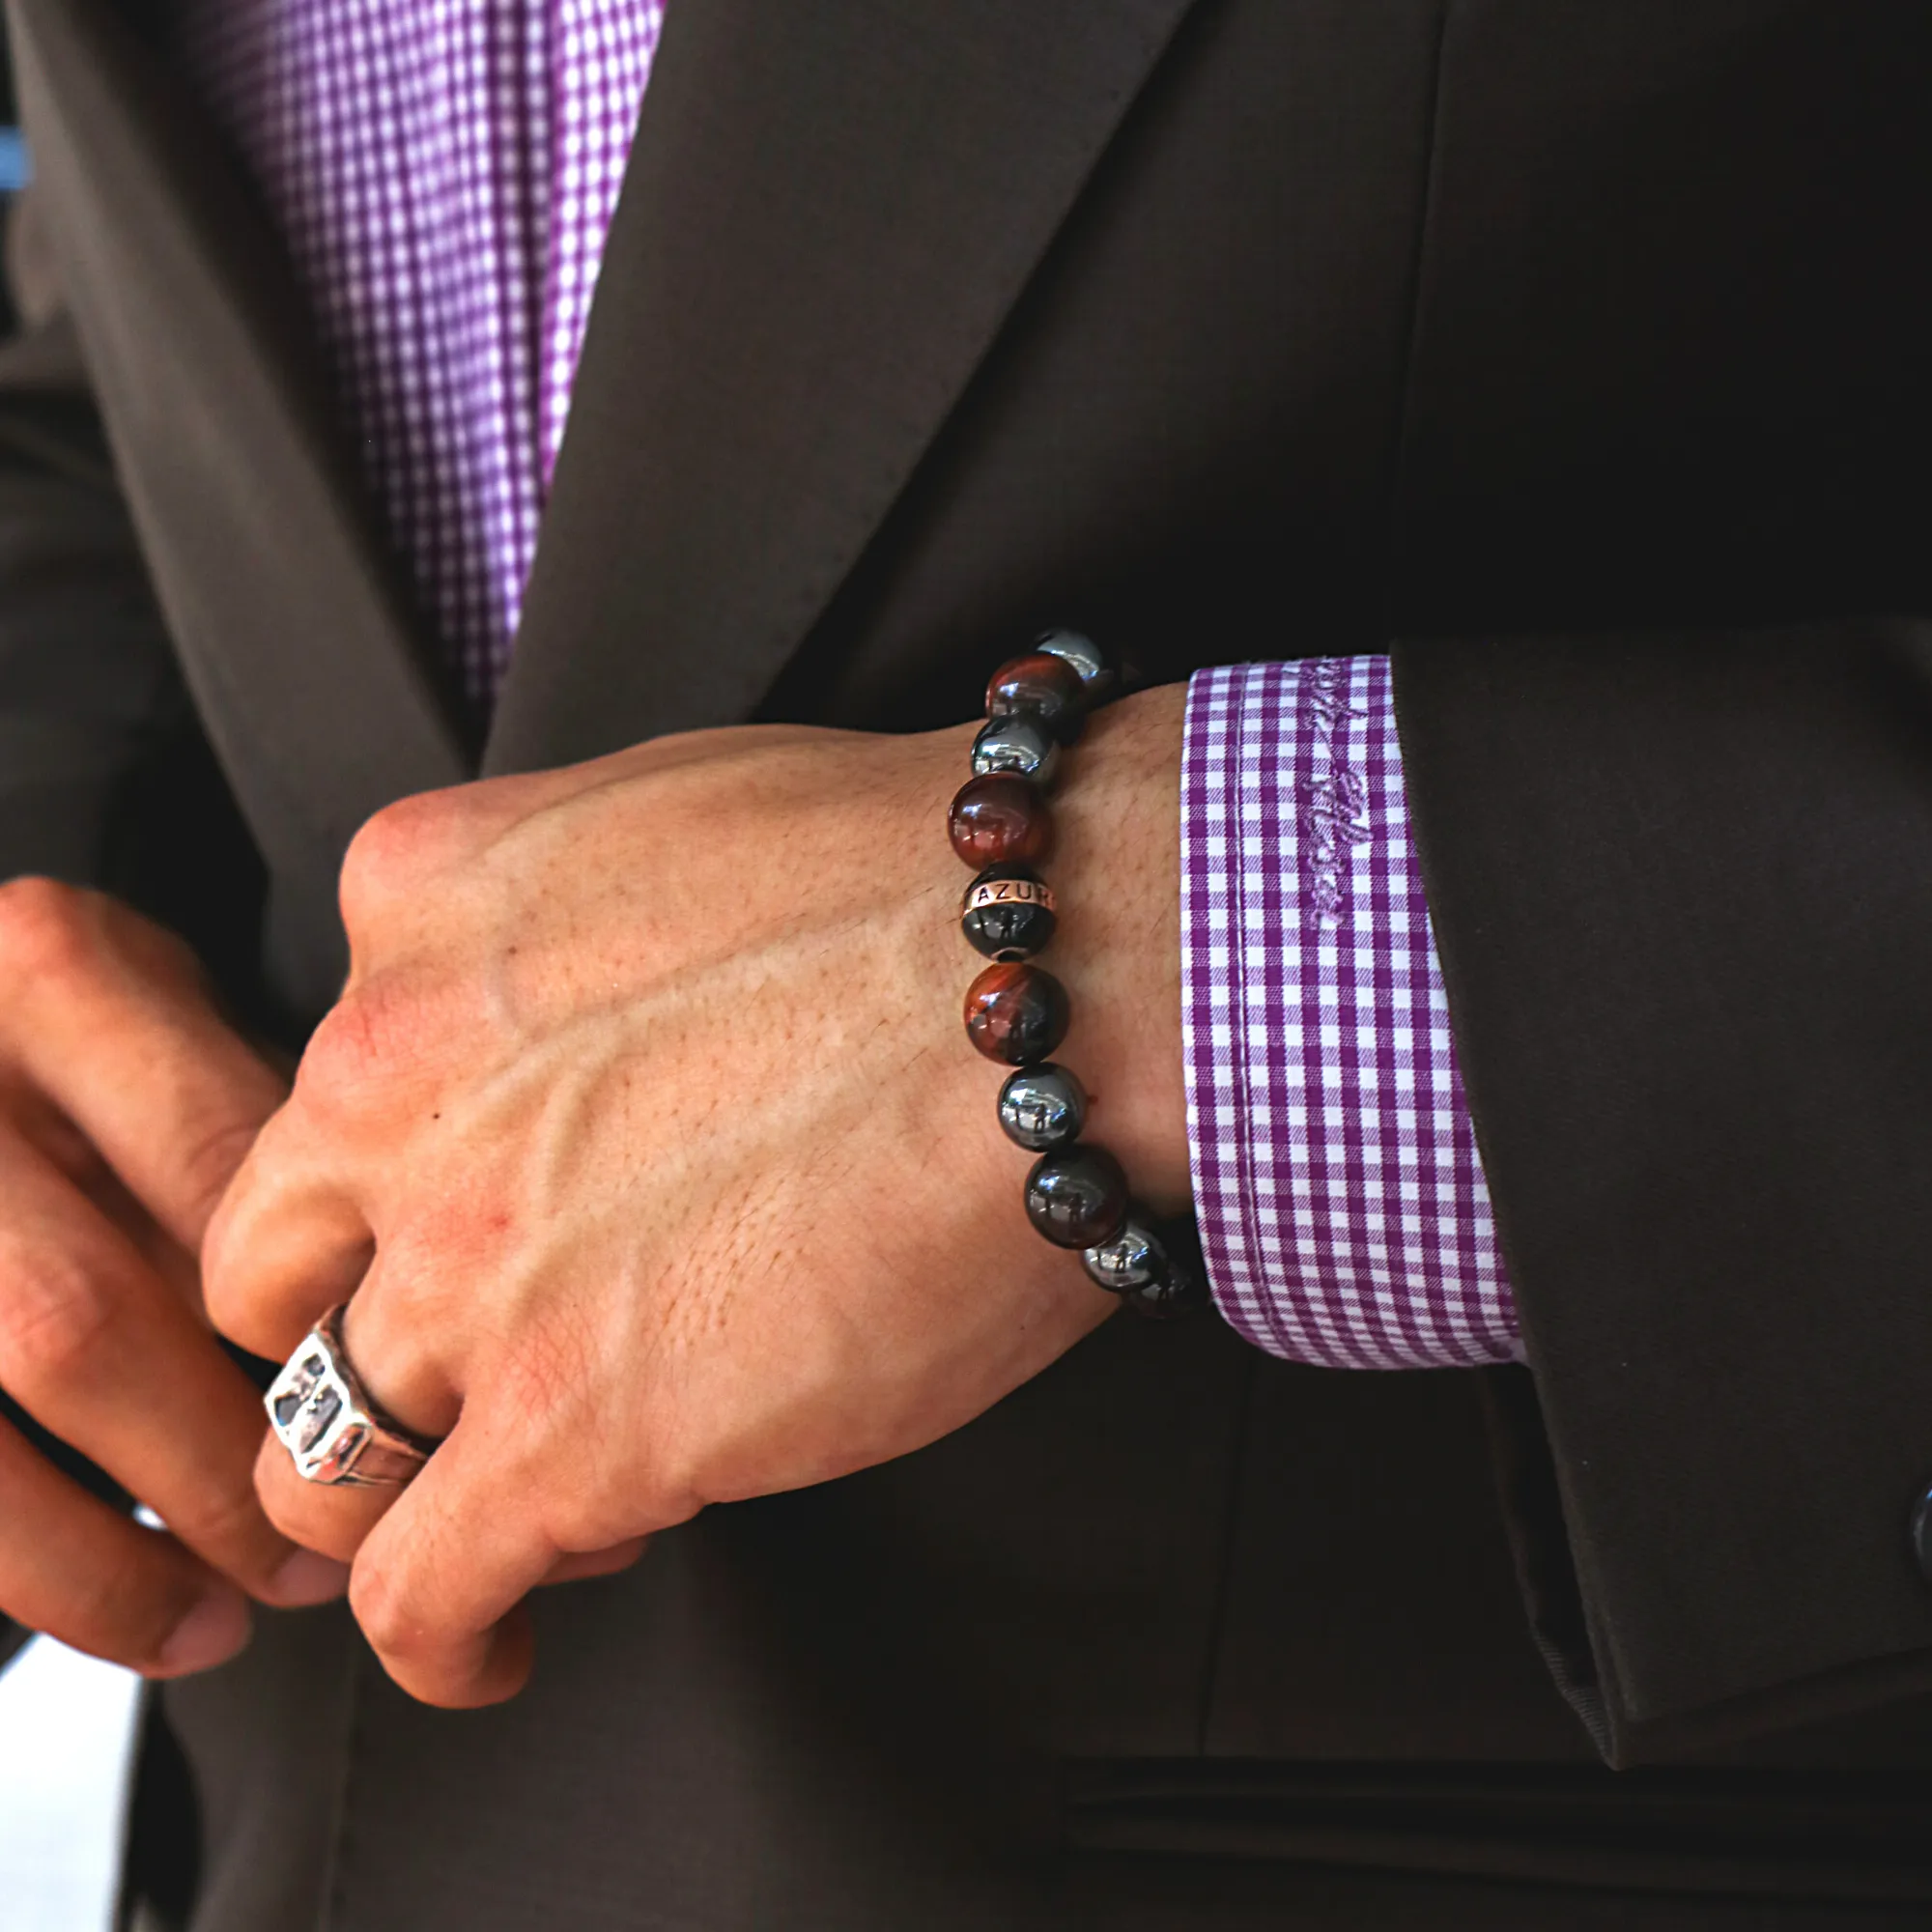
point(1921, 1534)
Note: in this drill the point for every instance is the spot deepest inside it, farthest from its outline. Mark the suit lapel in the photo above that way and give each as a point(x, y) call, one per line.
point(287, 615)
point(829, 211)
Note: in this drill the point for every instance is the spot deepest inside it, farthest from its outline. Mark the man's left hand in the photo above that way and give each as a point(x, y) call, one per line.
point(648, 1148)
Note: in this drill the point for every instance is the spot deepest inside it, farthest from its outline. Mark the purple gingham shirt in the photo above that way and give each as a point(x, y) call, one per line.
point(1344, 1214)
point(444, 174)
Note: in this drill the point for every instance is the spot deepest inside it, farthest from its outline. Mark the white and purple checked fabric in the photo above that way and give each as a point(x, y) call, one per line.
point(1344, 1215)
point(600, 61)
point(445, 173)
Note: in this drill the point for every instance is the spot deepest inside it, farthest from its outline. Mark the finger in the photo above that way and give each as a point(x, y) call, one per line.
point(332, 1519)
point(96, 1579)
point(102, 1354)
point(289, 1242)
point(113, 1020)
point(438, 1585)
point(595, 1563)
point(335, 1520)
point(383, 1338)
point(36, 1119)
point(395, 1333)
point(408, 848)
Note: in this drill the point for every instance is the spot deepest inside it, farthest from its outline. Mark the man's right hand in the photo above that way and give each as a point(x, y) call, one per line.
point(126, 1104)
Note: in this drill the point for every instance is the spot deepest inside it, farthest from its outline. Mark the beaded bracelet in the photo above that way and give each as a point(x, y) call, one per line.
point(1017, 1013)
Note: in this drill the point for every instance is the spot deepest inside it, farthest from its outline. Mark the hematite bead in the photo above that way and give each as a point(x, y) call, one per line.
point(1076, 1197)
point(1176, 1286)
point(1155, 1276)
point(1007, 913)
point(1082, 654)
point(1016, 1014)
point(1175, 1294)
point(1133, 1256)
point(1000, 820)
point(1043, 1108)
point(1040, 685)
point(1022, 746)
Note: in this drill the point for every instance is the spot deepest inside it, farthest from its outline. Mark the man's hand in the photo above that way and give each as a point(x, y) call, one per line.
point(126, 1103)
point(648, 1141)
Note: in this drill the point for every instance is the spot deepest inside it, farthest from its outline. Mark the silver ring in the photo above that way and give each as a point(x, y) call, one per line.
point(325, 1418)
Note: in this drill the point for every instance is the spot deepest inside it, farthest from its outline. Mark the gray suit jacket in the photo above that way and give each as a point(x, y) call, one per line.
point(1581, 347)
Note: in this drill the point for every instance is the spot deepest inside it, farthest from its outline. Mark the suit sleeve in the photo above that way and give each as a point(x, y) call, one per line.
point(1682, 889)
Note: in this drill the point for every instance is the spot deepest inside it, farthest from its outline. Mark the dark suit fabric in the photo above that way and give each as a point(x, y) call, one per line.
point(1575, 348)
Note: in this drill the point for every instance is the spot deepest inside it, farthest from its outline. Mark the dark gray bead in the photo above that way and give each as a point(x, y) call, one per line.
point(1153, 1267)
point(1042, 1107)
point(1133, 1258)
point(1014, 926)
point(1180, 1291)
point(1017, 744)
point(1082, 653)
point(1076, 1196)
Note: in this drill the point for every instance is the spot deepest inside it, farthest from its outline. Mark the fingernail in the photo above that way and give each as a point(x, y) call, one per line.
point(211, 1634)
point(308, 1579)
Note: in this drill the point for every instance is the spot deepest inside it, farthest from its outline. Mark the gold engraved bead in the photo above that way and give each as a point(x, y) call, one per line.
point(1008, 892)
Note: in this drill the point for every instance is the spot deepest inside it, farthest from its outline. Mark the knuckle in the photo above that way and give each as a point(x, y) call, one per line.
point(385, 1607)
point(45, 929)
point(356, 1047)
point(383, 1033)
point(224, 1272)
point(231, 1254)
point(394, 852)
point(54, 1320)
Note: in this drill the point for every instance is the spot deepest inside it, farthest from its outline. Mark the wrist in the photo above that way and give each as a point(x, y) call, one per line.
point(1117, 876)
point(1115, 870)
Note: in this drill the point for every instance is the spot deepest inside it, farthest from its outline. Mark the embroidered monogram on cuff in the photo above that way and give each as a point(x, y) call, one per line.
point(1344, 1215)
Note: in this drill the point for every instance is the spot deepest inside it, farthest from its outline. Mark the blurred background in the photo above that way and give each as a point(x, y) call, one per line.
point(67, 1722)
point(66, 1725)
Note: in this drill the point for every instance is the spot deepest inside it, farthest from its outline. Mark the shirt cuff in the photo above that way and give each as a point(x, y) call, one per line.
point(1345, 1219)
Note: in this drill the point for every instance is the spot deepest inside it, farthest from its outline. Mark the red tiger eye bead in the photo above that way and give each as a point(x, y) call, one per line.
point(1000, 820)
point(1042, 683)
point(1016, 1014)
